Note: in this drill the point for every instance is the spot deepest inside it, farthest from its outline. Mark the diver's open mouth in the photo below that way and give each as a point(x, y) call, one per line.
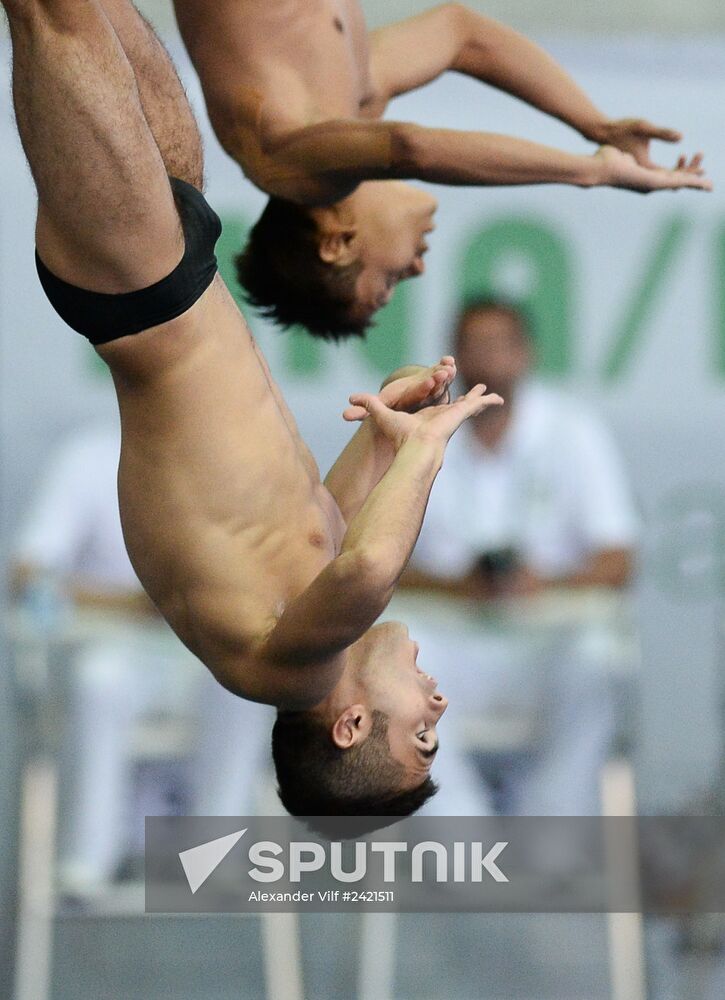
point(428, 677)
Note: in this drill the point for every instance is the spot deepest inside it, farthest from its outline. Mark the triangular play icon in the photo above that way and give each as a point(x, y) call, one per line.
point(199, 862)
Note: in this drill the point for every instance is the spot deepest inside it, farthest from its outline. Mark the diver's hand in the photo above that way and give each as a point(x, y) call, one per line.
point(633, 135)
point(621, 170)
point(433, 425)
point(412, 388)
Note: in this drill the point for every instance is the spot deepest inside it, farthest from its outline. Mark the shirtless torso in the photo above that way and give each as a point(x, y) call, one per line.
point(269, 69)
point(224, 513)
point(275, 71)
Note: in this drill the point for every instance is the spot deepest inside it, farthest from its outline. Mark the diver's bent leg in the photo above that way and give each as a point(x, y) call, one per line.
point(107, 219)
point(163, 99)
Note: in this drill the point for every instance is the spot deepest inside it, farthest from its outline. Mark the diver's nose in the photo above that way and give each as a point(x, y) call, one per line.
point(440, 703)
point(414, 269)
point(430, 201)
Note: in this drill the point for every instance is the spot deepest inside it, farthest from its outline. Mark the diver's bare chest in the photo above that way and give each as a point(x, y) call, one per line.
point(348, 23)
point(324, 43)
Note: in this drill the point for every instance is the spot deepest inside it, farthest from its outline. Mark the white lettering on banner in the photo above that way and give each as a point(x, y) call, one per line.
point(336, 869)
point(306, 857)
point(389, 849)
point(257, 855)
point(298, 865)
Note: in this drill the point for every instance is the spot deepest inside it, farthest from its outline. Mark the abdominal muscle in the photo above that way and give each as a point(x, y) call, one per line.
point(223, 512)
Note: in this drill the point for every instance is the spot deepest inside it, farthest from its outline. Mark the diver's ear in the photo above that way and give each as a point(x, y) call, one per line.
point(337, 244)
point(352, 726)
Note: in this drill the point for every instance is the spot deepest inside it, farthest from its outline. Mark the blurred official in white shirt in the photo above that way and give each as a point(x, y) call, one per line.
point(532, 496)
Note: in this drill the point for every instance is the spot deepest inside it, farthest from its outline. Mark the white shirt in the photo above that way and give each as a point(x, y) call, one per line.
point(554, 490)
point(73, 526)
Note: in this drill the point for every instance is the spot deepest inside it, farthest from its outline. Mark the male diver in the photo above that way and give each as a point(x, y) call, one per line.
point(272, 578)
point(296, 91)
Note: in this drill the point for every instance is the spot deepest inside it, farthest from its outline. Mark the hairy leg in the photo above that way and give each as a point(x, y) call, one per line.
point(106, 215)
point(163, 99)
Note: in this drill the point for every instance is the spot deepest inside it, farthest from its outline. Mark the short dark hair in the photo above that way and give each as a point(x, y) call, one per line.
point(319, 779)
point(495, 303)
point(283, 275)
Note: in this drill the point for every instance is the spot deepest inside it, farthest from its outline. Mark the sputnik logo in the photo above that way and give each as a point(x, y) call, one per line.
point(305, 857)
point(200, 862)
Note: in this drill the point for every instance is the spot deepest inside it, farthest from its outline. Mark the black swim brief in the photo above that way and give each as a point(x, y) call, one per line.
point(102, 317)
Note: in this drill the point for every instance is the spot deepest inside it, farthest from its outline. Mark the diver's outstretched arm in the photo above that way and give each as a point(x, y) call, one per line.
point(411, 53)
point(352, 591)
point(320, 164)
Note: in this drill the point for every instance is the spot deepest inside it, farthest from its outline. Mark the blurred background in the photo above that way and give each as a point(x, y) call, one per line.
point(567, 592)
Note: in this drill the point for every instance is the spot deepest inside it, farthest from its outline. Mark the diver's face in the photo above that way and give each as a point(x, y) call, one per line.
point(392, 221)
point(393, 683)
